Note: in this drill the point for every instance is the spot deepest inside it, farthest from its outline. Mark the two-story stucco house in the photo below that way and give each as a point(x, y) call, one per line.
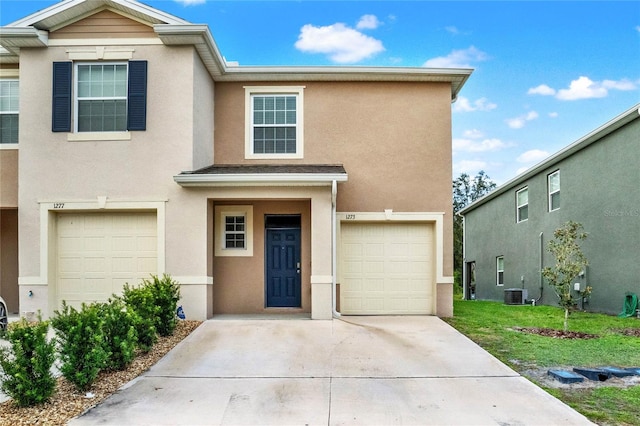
point(136, 150)
point(594, 181)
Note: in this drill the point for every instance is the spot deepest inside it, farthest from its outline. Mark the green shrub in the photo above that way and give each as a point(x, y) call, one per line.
point(142, 302)
point(119, 333)
point(166, 293)
point(80, 340)
point(26, 365)
point(156, 300)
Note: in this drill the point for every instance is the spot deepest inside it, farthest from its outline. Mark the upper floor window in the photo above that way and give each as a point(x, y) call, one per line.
point(522, 201)
point(274, 122)
point(104, 96)
point(101, 97)
point(500, 270)
point(9, 103)
point(554, 190)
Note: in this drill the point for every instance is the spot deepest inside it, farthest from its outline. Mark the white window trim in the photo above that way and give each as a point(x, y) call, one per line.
point(92, 135)
point(518, 206)
point(557, 172)
point(498, 270)
point(12, 78)
point(220, 213)
point(248, 132)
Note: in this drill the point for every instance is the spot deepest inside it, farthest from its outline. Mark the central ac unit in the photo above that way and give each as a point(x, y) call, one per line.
point(515, 296)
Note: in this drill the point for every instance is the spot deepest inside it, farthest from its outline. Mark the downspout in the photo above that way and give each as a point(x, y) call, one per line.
point(465, 296)
point(540, 275)
point(334, 251)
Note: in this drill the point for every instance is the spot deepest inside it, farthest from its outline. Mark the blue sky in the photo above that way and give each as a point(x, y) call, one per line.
point(546, 73)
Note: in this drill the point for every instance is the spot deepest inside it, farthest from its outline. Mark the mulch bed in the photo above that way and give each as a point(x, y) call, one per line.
point(67, 402)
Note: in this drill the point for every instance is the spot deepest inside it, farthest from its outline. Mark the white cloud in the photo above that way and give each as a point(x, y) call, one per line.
point(522, 170)
point(582, 88)
point(485, 145)
point(463, 104)
point(553, 115)
point(520, 121)
point(473, 134)
point(341, 43)
point(368, 22)
point(190, 2)
point(471, 167)
point(457, 59)
point(543, 89)
point(532, 156)
point(638, 28)
point(451, 29)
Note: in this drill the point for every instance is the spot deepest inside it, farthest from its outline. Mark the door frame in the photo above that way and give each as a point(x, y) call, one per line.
point(283, 222)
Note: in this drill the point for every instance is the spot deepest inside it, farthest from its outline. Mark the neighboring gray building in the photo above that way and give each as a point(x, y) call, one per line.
point(594, 181)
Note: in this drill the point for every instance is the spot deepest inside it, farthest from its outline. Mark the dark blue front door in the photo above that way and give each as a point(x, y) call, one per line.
point(283, 268)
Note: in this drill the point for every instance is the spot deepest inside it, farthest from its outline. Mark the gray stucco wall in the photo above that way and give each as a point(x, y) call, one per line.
point(600, 188)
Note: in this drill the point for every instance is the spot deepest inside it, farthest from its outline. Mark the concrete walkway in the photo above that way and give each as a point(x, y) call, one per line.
point(356, 371)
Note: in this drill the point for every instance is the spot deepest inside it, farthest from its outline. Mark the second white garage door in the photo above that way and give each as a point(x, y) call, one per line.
point(386, 269)
point(98, 253)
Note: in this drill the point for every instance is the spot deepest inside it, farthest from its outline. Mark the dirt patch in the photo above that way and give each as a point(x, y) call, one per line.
point(633, 332)
point(67, 403)
point(556, 334)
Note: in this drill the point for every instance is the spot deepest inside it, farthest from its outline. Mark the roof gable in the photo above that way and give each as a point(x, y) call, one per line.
point(69, 11)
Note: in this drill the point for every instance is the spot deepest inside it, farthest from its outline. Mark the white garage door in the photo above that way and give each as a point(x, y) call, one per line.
point(98, 253)
point(386, 268)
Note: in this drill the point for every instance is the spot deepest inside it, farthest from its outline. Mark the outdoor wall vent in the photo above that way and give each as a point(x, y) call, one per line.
point(515, 296)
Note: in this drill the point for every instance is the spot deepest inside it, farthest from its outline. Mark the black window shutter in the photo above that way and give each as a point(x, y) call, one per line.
point(137, 96)
point(61, 108)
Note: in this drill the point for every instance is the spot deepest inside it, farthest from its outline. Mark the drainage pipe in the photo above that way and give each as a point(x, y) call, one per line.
point(334, 252)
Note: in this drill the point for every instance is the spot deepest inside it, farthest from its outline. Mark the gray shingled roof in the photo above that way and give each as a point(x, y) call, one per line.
point(219, 169)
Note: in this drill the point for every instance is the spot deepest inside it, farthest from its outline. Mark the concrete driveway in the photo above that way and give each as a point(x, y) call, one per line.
point(354, 371)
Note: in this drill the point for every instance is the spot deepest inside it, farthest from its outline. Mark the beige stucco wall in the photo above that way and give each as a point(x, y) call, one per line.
point(139, 170)
point(394, 140)
point(8, 178)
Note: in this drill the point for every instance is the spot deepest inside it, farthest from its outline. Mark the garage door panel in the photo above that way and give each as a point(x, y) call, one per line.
point(396, 276)
point(98, 253)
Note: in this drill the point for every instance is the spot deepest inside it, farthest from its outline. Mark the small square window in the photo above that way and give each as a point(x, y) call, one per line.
point(233, 231)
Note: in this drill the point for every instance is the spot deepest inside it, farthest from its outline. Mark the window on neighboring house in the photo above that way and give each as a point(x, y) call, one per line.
point(104, 96)
point(500, 270)
point(554, 190)
point(234, 230)
point(9, 104)
point(274, 122)
point(522, 201)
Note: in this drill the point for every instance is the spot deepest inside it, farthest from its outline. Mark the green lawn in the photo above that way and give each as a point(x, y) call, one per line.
point(492, 325)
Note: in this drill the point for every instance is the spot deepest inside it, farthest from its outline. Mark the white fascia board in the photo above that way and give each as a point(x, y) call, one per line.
point(13, 38)
point(200, 37)
point(256, 179)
